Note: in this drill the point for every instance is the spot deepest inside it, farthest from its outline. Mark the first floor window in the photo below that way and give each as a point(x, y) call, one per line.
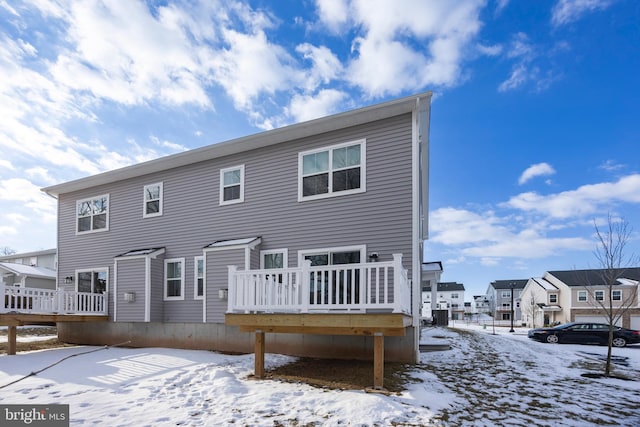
point(616, 295)
point(174, 279)
point(92, 214)
point(338, 169)
point(92, 281)
point(582, 296)
point(152, 200)
point(506, 306)
point(599, 295)
point(274, 258)
point(506, 316)
point(232, 185)
point(198, 274)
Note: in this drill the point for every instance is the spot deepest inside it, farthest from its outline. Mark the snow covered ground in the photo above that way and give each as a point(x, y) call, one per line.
point(484, 380)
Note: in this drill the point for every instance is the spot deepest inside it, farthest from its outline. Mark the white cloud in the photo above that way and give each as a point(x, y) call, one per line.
point(5, 164)
point(29, 196)
point(539, 169)
point(612, 166)
point(40, 173)
point(567, 11)
point(334, 14)
point(6, 230)
point(310, 107)
point(445, 29)
point(586, 200)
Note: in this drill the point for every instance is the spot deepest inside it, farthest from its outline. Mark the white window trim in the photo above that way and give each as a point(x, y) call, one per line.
point(91, 270)
point(234, 201)
point(506, 294)
point(556, 301)
point(195, 277)
point(106, 228)
point(586, 296)
point(144, 201)
point(164, 294)
point(304, 252)
point(285, 256)
point(619, 293)
point(363, 171)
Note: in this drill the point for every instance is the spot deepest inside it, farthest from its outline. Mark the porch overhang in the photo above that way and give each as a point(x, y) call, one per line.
point(369, 324)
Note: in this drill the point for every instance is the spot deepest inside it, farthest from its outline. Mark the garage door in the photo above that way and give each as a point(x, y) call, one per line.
point(635, 322)
point(595, 319)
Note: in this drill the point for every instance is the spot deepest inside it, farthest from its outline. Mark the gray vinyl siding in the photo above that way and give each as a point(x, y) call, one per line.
point(380, 218)
point(217, 274)
point(157, 289)
point(131, 278)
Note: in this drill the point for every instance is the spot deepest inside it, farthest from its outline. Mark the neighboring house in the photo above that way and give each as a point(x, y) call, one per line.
point(499, 296)
point(539, 302)
point(26, 276)
point(431, 272)
point(480, 305)
point(29, 269)
point(47, 258)
point(449, 296)
point(567, 296)
point(318, 226)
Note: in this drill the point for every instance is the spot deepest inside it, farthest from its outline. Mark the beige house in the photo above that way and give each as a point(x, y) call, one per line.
point(576, 295)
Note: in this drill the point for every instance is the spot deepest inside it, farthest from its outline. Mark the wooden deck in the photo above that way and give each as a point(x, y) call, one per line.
point(13, 320)
point(377, 325)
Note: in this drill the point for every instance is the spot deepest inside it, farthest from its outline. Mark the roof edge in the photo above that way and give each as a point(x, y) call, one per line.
point(263, 139)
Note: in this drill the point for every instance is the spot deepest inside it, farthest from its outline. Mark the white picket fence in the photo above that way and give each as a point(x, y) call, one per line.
point(48, 301)
point(374, 286)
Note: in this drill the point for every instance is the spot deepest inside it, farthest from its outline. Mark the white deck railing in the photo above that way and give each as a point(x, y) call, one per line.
point(49, 301)
point(376, 286)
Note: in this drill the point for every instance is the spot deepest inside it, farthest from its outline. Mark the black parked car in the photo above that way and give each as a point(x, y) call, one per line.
point(585, 333)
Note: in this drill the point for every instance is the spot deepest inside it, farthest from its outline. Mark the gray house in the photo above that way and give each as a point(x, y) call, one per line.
point(501, 294)
point(29, 269)
point(311, 233)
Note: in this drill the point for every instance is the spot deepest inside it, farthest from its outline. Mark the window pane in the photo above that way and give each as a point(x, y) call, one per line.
point(100, 221)
point(84, 208)
point(347, 179)
point(173, 288)
point(339, 158)
point(152, 192)
point(353, 155)
point(200, 287)
point(100, 205)
point(315, 163)
point(84, 282)
point(99, 282)
point(274, 260)
point(345, 257)
point(84, 224)
point(316, 184)
point(174, 270)
point(232, 177)
point(200, 267)
point(231, 193)
point(322, 259)
point(153, 207)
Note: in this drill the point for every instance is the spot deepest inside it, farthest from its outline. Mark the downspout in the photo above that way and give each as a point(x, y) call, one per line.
point(420, 184)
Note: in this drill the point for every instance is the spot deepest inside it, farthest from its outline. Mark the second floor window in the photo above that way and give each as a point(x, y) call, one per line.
point(599, 295)
point(454, 296)
point(232, 185)
point(506, 294)
point(339, 169)
point(152, 200)
point(92, 214)
point(616, 295)
point(553, 298)
point(582, 296)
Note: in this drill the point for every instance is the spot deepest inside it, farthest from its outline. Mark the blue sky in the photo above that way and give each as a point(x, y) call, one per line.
point(534, 135)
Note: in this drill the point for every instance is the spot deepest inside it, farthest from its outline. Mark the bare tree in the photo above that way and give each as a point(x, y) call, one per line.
point(6, 250)
point(529, 307)
point(613, 260)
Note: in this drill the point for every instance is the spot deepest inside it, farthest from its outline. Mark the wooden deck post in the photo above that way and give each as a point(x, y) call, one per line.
point(11, 339)
point(378, 360)
point(259, 354)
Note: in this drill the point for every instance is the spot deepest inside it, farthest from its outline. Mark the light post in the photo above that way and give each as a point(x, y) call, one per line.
point(512, 285)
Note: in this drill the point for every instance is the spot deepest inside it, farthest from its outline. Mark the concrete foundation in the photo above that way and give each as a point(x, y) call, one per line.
point(219, 337)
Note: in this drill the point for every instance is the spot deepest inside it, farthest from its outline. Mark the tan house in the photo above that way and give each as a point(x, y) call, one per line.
point(576, 295)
